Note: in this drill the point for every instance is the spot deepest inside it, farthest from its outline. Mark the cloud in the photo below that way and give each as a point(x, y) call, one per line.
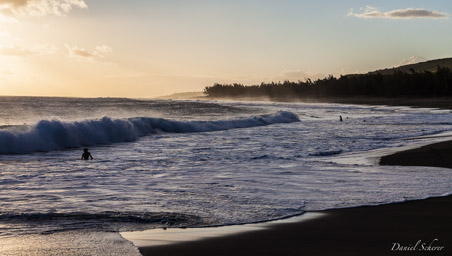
point(16, 50)
point(411, 60)
point(14, 3)
point(21, 8)
point(7, 38)
point(371, 12)
point(45, 49)
point(80, 54)
point(102, 50)
point(6, 72)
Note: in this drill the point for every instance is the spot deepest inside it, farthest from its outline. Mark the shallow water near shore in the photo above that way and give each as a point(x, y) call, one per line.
point(156, 237)
point(169, 163)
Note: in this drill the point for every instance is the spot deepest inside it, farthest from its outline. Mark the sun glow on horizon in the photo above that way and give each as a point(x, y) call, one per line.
point(146, 49)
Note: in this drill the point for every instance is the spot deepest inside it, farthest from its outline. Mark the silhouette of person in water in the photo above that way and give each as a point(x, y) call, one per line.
point(86, 155)
point(340, 118)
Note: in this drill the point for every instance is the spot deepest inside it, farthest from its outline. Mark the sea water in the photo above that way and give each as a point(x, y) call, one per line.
point(164, 163)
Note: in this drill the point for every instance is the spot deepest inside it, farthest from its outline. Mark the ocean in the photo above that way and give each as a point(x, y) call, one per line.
point(196, 163)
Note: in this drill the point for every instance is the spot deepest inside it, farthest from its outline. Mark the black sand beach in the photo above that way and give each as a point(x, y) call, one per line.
point(437, 154)
point(393, 229)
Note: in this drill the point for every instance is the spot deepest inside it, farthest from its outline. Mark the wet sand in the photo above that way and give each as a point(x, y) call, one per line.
point(373, 230)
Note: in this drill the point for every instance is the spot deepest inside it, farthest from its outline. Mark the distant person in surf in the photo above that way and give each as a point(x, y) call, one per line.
point(86, 155)
point(340, 118)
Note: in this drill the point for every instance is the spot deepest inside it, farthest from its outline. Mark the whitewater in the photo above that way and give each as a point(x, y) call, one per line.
point(168, 163)
point(54, 135)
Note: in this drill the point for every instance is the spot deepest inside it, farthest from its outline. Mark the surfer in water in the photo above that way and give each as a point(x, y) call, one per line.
point(86, 155)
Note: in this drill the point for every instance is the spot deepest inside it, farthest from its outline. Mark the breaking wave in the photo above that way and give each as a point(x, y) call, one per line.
point(48, 135)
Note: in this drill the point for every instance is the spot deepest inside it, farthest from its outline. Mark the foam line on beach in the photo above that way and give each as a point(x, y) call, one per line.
point(372, 157)
point(155, 237)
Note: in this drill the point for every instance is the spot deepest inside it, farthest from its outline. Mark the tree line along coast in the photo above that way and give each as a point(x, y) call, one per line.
point(427, 79)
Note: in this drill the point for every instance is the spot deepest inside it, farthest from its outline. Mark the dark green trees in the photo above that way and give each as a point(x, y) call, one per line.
point(397, 84)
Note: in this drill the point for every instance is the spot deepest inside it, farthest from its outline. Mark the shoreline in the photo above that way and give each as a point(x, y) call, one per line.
point(432, 155)
point(417, 227)
point(433, 102)
point(364, 230)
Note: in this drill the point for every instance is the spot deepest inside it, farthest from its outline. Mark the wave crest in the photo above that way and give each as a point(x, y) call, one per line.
point(48, 135)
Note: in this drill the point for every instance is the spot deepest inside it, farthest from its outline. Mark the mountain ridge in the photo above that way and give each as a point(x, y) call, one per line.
point(425, 66)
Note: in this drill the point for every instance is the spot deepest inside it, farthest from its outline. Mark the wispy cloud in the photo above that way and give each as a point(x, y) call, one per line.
point(409, 13)
point(411, 60)
point(81, 54)
point(16, 50)
point(7, 38)
point(20, 8)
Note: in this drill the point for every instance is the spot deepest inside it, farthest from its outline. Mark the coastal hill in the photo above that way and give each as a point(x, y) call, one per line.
point(421, 80)
point(430, 66)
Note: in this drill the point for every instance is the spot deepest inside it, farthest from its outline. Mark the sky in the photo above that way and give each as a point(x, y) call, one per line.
point(149, 48)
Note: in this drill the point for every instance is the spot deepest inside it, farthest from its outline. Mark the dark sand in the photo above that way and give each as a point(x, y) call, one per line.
point(438, 154)
point(355, 231)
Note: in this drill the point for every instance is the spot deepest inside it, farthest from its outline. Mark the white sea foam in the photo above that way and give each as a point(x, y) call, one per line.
point(198, 170)
point(54, 135)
